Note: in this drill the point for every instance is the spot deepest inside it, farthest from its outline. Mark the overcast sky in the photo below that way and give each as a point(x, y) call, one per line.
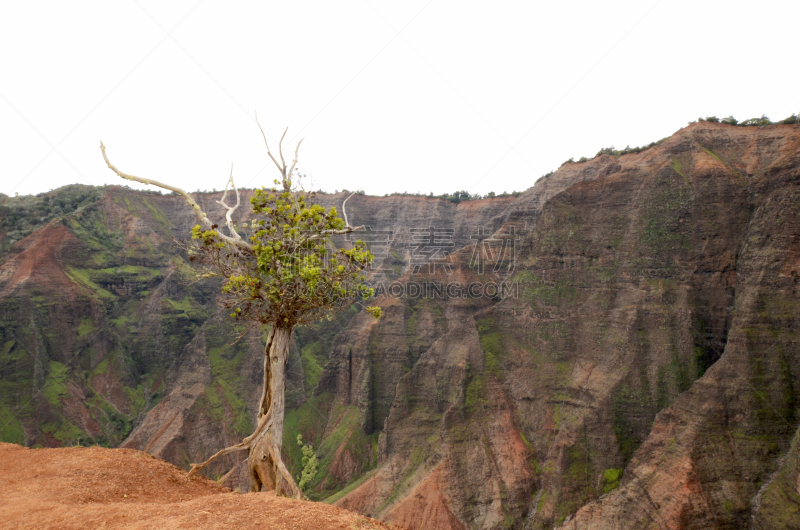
point(419, 95)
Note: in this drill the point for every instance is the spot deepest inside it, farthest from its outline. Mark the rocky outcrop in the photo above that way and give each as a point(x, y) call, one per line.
point(626, 357)
point(604, 384)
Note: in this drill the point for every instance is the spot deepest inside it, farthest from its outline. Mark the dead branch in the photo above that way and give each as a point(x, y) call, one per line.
point(286, 173)
point(229, 209)
point(294, 161)
point(344, 211)
point(228, 450)
point(263, 427)
point(201, 216)
point(346, 230)
point(267, 144)
point(280, 152)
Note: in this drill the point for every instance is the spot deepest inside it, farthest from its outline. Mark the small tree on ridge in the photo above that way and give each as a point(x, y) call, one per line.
point(287, 272)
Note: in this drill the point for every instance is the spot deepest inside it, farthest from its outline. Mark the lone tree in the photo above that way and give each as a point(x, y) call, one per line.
point(285, 272)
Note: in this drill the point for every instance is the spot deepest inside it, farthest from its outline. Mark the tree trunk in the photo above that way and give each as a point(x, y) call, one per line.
point(264, 459)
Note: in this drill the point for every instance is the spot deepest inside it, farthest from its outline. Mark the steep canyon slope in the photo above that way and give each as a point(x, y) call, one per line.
point(627, 359)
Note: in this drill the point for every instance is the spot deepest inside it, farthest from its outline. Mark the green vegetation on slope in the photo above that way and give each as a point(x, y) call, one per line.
point(21, 216)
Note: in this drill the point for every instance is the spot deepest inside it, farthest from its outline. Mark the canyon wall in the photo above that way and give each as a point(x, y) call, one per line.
point(616, 347)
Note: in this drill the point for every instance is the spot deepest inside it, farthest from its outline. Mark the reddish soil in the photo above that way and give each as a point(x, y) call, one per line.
point(40, 262)
point(92, 487)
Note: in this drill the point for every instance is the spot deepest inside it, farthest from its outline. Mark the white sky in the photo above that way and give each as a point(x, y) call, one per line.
point(411, 96)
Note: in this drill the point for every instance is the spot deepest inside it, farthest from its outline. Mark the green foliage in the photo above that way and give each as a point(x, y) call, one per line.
point(21, 216)
point(611, 478)
point(86, 326)
point(309, 420)
point(791, 120)
point(458, 196)
point(350, 487)
point(185, 308)
point(313, 363)
point(310, 463)
point(55, 388)
point(136, 396)
point(115, 426)
point(345, 435)
point(227, 383)
point(678, 167)
point(491, 345)
point(475, 395)
point(293, 273)
point(11, 430)
point(82, 277)
point(65, 432)
point(628, 149)
point(755, 122)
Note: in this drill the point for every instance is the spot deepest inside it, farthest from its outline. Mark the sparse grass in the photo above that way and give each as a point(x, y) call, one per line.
point(313, 364)
point(11, 430)
point(350, 487)
point(85, 327)
point(82, 278)
point(55, 388)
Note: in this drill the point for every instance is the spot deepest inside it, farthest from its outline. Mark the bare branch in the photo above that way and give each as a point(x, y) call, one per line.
point(267, 144)
point(294, 162)
point(346, 230)
point(263, 427)
point(280, 152)
point(231, 209)
point(232, 449)
point(344, 212)
point(201, 216)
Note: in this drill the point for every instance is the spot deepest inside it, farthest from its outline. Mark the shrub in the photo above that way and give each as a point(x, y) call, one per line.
point(606, 151)
point(310, 463)
point(754, 122)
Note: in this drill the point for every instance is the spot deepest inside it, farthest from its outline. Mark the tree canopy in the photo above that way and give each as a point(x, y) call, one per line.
point(292, 273)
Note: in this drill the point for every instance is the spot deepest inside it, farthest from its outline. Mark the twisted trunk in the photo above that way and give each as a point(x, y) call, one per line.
point(264, 460)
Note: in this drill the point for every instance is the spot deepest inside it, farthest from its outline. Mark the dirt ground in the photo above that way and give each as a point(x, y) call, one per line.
point(92, 487)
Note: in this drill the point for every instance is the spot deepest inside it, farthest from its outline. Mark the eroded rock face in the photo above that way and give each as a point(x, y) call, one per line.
point(639, 284)
point(639, 369)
